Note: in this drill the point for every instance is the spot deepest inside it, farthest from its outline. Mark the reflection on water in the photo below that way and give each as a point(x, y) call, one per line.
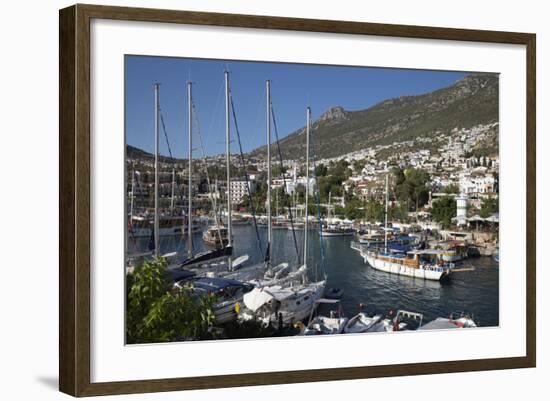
point(473, 292)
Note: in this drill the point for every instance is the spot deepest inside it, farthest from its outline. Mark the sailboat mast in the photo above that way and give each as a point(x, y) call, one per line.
point(173, 190)
point(268, 206)
point(157, 121)
point(329, 217)
point(228, 162)
point(386, 219)
point(132, 197)
point(308, 114)
point(190, 169)
point(277, 203)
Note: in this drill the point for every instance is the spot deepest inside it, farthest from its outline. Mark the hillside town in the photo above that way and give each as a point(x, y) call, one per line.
point(458, 166)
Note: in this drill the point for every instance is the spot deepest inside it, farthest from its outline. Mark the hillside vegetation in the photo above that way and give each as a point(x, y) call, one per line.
point(469, 102)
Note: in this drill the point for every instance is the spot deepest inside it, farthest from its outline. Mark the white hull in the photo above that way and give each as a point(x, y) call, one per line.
point(304, 311)
point(402, 270)
point(294, 310)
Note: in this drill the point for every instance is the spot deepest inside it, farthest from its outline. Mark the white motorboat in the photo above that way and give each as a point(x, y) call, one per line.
point(386, 326)
point(403, 320)
point(361, 323)
point(442, 323)
point(332, 324)
point(216, 236)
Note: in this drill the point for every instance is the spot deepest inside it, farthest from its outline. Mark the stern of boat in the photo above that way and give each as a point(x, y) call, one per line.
point(446, 276)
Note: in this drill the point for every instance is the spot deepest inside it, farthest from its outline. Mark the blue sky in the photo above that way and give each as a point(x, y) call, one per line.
point(293, 88)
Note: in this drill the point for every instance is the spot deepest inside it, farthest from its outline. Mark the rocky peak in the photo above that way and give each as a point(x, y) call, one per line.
point(334, 113)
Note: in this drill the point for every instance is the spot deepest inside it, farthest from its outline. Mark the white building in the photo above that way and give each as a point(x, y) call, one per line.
point(476, 183)
point(461, 209)
point(291, 185)
point(239, 190)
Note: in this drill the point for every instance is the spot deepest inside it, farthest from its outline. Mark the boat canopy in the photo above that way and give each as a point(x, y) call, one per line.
point(177, 274)
point(256, 298)
point(399, 247)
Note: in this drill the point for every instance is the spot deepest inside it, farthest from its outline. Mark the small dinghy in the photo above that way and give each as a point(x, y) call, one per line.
point(239, 262)
point(333, 293)
point(361, 323)
point(332, 324)
point(403, 320)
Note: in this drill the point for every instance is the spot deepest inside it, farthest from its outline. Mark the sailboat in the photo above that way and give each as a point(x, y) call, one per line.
point(263, 273)
point(227, 294)
point(279, 304)
point(147, 227)
point(204, 260)
point(411, 264)
point(162, 223)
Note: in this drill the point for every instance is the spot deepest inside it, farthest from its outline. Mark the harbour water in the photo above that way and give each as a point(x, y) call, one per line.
point(475, 293)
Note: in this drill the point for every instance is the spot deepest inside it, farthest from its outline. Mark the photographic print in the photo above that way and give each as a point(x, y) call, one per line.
point(277, 199)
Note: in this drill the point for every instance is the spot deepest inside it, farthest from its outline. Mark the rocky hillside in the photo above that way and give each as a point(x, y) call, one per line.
point(469, 102)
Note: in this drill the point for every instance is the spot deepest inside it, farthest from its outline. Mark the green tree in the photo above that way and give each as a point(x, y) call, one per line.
point(300, 193)
point(354, 209)
point(488, 207)
point(443, 210)
point(374, 210)
point(330, 184)
point(359, 164)
point(399, 213)
point(451, 189)
point(340, 170)
point(158, 313)
point(399, 175)
point(278, 171)
point(410, 186)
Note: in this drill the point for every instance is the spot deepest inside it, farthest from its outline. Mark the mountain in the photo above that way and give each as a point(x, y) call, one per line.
point(139, 154)
point(470, 101)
